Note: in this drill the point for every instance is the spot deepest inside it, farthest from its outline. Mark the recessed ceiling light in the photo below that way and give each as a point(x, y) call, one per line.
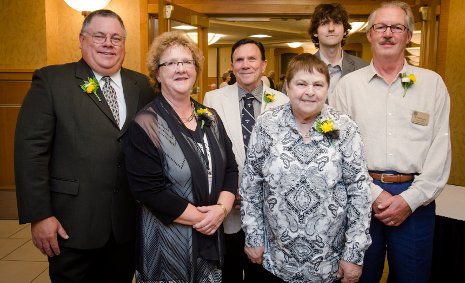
point(212, 37)
point(357, 26)
point(294, 44)
point(260, 35)
point(184, 27)
point(244, 19)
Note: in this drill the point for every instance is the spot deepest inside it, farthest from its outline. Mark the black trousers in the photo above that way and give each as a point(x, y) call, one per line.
point(237, 266)
point(113, 263)
point(271, 278)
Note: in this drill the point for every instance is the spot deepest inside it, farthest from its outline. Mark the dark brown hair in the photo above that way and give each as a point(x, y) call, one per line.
point(329, 12)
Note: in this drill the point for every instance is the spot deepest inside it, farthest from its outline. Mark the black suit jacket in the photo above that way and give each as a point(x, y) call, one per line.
point(68, 156)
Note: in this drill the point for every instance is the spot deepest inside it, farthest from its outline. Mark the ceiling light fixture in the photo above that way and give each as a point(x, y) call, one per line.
point(184, 27)
point(357, 26)
point(212, 37)
point(244, 19)
point(294, 44)
point(86, 6)
point(260, 35)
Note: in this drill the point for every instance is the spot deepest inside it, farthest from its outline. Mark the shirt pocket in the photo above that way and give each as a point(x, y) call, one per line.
point(416, 132)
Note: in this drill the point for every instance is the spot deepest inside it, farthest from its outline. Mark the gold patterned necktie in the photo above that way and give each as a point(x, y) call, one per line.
point(110, 96)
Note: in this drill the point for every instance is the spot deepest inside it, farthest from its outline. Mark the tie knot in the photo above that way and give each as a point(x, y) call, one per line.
point(106, 79)
point(249, 96)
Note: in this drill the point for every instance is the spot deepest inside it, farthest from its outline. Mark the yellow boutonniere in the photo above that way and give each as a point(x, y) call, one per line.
point(205, 116)
point(327, 128)
point(268, 97)
point(91, 86)
point(407, 80)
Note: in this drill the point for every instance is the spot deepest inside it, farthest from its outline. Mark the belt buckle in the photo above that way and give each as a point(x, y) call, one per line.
point(382, 179)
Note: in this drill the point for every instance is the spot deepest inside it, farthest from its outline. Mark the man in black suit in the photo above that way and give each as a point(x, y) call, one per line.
point(70, 177)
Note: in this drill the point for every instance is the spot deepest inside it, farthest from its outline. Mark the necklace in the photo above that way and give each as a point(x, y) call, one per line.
point(183, 120)
point(190, 118)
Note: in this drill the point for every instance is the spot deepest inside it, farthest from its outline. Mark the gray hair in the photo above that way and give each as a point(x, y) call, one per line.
point(101, 13)
point(404, 6)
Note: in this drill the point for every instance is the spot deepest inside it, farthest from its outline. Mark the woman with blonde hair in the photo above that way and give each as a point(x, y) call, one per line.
point(181, 170)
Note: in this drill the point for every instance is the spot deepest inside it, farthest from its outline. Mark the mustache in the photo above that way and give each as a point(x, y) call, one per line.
point(387, 40)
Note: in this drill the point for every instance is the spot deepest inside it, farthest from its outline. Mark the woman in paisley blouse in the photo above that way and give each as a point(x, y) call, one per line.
point(182, 171)
point(305, 186)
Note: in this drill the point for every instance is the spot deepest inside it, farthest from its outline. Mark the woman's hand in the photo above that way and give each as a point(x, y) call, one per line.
point(214, 216)
point(349, 272)
point(255, 254)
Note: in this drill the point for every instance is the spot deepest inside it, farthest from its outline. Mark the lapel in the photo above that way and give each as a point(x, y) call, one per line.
point(232, 121)
point(264, 105)
point(348, 65)
point(131, 96)
point(83, 72)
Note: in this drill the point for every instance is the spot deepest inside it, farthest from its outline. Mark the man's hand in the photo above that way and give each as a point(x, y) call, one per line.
point(214, 216)
point(44, 235)
point(349, 272)
point(255, 254)
point(391, 210)
point(379, 200)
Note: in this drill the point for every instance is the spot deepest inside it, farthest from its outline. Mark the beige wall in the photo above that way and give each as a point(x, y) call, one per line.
point(452, 61)
point(36, 33)
point(22, 39)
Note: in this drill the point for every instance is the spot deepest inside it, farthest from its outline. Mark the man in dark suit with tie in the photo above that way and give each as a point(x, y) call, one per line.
point(70, 177)
point(238, 105)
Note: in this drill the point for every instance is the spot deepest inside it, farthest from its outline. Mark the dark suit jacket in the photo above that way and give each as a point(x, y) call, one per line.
point(350, 63)
point(68, 157)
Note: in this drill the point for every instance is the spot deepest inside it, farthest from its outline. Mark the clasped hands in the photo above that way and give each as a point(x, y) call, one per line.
point(213, 217)
point(391, 210)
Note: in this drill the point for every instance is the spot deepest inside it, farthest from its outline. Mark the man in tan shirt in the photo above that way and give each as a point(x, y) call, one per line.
point(403, 116)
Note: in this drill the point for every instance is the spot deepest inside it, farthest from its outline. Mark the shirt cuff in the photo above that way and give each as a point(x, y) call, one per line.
point(375, 191)
point(413, 197)
point(254, 240)
point(353, 256)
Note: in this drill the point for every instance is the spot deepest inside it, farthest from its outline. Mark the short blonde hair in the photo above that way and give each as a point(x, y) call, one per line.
point(165, 41)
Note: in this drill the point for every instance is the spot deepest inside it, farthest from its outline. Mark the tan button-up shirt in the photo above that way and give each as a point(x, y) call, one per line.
point(407, 134)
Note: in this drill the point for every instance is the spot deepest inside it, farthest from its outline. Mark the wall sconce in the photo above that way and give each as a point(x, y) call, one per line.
point(87, 6)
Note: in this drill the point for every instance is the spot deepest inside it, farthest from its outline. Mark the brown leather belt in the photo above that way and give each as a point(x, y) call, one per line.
point(391, 178)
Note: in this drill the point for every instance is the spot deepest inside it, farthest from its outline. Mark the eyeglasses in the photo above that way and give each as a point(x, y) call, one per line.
point(100, 38)
point(398, 28)
point(174, 64)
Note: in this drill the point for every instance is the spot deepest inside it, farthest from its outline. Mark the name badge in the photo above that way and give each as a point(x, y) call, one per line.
point(420, 118)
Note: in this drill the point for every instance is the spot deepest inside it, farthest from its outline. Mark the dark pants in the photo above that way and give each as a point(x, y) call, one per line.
point(409, 246)
point(113, 263)
point(269, 277)
point(237, 267)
